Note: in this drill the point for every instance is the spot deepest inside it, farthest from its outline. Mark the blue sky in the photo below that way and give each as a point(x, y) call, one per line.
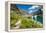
point(23, 7)
point(28, 8)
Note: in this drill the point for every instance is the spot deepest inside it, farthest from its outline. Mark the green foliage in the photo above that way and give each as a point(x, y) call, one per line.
point(26, 22)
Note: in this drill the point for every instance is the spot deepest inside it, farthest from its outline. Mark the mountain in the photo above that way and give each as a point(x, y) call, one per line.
point(17, 10)
point(33, 10)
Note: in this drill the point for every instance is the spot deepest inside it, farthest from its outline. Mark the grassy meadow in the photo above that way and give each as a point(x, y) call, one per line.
point(26, 22)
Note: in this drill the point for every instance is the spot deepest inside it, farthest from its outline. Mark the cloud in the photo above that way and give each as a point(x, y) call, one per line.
point(33, 9)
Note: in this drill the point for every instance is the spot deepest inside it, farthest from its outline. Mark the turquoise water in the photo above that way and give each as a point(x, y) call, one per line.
point(39, 18)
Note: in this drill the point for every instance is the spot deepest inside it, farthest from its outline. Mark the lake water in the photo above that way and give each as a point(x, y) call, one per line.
point(39, 18)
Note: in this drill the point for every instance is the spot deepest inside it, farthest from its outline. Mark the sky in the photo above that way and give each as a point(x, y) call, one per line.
point(28, 8)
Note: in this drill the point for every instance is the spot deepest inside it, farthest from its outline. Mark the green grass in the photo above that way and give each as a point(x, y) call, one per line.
point(26, 22)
